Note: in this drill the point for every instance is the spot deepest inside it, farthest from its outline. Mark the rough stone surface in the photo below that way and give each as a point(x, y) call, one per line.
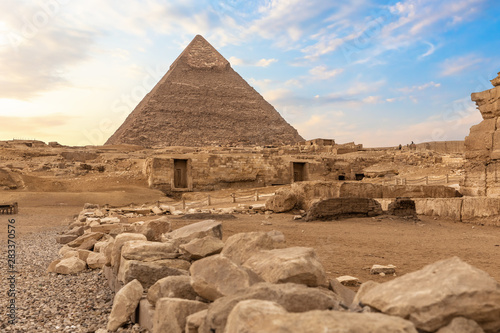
point(217, 276)
point(96, 260)
point(124, 304)
point(402, 207)
point(153, 229)
point(295, 264)
point(71, 265)
point(203, 101)
point(434, 295)
point(91, 237)
point(377, 269)
point(283, 200)
point(117, 247)
point(293, 297)
point(202, 247)
point(192, 231)
point(173, 287)
point(345, 294)
point(148, 272)
point(347, 280)
point(148, 251)
point(335, 208)
point(461, 325)
point(195, 321)
point(171, 314)
point(242, 246)
point(265, 316)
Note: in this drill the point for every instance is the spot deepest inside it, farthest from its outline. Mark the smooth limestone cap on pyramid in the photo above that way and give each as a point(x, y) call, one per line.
point(202, 101)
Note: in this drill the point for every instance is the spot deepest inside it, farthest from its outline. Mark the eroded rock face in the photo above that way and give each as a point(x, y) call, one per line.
point(294, 264)
point(71, 265)
point(334, 208)
point(284, 200)
point(482, 145)
point(217, 276)
point(124, 304)
point(202, 247)
point(116, 250)
point(293, 297)
point(148, 251)
point(192, 231)
point(171, 314)
point(173, 287)
point(86, 241)
point(148, 272)
point(269, 317)
point(242, 246)
point(431, 297)
point(96, 260)
point(461, 325)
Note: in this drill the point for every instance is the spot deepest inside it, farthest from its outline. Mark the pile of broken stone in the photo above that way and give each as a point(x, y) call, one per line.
point(189, 280)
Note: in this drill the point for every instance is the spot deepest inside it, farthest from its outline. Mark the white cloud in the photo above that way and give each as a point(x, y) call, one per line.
point(265, 62)
point(259, 63)
point(457, 65)
point(424, 86)
point(429, 52)
point(323, 73)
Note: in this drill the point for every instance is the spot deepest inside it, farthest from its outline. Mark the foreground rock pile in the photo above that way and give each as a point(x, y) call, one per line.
point(189, 280)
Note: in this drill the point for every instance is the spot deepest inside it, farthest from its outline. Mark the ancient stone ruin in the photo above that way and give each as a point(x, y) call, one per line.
point(483, 146)
point(202, 101)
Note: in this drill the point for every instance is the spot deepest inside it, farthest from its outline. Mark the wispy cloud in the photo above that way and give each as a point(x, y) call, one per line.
point(457, 65)
point(259, 63)
point(424, 86)
point(323, 73)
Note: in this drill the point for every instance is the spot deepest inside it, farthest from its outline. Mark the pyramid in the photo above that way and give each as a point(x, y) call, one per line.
point(202, 101)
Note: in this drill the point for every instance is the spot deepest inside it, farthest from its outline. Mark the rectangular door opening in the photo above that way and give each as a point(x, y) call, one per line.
point(180, 174)
point(299, 171)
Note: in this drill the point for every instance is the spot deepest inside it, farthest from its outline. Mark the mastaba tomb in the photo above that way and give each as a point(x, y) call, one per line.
point(202, 101)
point(483, 146)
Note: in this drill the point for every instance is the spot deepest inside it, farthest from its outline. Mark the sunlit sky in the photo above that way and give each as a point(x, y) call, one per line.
point(375, 72)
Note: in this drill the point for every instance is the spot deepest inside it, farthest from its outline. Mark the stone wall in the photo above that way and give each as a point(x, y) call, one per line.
point(483, 146)
point(445, 147)
point(218, 171)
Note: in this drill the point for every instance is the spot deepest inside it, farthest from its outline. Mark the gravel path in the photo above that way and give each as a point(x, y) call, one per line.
point(48, 302)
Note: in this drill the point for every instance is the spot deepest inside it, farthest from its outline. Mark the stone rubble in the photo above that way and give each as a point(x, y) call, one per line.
point(191, 281)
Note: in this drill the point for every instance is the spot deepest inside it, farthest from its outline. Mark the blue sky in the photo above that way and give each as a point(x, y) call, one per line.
point(375, 72)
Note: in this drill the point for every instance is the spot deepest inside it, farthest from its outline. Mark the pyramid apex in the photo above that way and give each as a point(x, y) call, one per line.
point(200, 54)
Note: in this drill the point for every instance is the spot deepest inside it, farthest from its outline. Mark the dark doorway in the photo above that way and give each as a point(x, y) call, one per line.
point(180, 174)
point(299, 172)
point(360, 176)
point(341, 177)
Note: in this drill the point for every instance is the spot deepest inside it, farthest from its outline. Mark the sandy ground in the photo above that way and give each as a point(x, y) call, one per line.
point(345, 247)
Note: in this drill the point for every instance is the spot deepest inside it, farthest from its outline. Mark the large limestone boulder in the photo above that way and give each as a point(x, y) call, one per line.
point(202, 247)
point(195, 322)
point(96, 260)
point(71, 265)
point(192, 231)
point(335, 208)
point(461, 325)
point(269, 317)
point(173, 287)
point(148, 272)
point(434, 295)
point(217, 276)
point(295, 264)
point(86, 241)
point(153, 229)
point(242, 246)
point(171, 313)
point(124, 304)
point(116, 251)
point(293, 297)
point(148, 251)
point(283, 200)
